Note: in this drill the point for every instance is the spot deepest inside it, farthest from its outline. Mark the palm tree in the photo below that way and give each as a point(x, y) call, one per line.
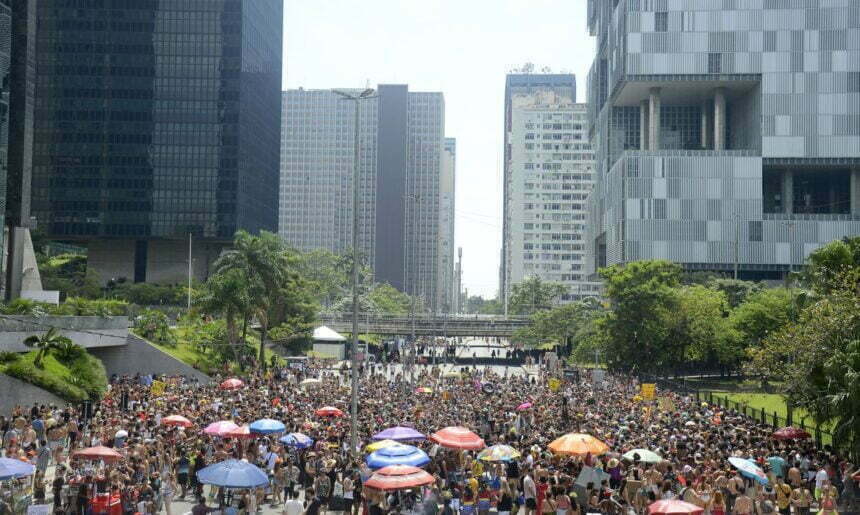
point(226, 293)
point(45, 343)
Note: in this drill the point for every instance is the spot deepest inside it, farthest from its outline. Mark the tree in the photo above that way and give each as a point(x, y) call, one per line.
point(387, 299)
point(736, 291)
point(762, 314)
point(829, 266)
point(226, 294)
point(559, 325)
point(46, 343)
point(534, 294)
point(700, 322)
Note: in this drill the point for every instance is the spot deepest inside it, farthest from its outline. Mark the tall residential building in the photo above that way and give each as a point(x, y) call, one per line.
point(445, 279)
point(727, 134)
point(156, 121)
point(401, 140)
point(548, 175)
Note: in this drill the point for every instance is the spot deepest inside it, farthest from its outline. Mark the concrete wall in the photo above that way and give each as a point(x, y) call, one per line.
point(139, 356)
point(166, 260)
point(14, 392)
point(88, 332)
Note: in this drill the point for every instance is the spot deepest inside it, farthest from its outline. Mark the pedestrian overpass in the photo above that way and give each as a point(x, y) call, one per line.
point(428, 325)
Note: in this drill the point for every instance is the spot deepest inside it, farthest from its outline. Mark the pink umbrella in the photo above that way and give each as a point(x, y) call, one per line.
point(220, 428)
point(524, 406)
point(240, 432)
point(231, 384)
point(176, 420)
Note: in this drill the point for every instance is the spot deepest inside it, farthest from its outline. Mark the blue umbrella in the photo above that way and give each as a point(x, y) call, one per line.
point(13, 469)
point(233, 474)
point(297, 440)
point(397, 455)
point(749, 469)
point(399, 433)
point(266, 426)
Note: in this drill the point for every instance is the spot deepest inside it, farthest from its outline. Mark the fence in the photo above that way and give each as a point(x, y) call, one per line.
point(774, 419)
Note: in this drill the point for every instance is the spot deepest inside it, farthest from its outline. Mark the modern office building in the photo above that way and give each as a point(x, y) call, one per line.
point(5, 68)
point(548, 175)
point(401, 140)
point(445, 278)
point(727, 134)
point(156, 122)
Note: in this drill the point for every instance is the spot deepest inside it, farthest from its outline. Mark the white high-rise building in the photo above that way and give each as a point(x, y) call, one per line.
point(548, 175)
point(446, 227)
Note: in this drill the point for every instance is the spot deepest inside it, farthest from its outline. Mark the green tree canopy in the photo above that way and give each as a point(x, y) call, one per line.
point(533, 294)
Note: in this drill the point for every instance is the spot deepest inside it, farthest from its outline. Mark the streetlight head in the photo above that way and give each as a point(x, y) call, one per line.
point(366, 93)
point(344, 94)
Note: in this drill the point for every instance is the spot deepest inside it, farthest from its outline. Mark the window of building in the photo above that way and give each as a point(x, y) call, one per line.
point(661, 22)
point(715, 63)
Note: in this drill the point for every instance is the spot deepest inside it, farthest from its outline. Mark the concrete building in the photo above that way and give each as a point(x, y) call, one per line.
point(156, 123)
point(445, 279)
point(548, 175)
point(727, 135)
point(401, 138)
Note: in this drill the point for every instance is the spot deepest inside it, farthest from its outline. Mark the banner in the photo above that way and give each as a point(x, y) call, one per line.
point(649, 391)
point(554, 384)
point(666, 404)
point(157, 387)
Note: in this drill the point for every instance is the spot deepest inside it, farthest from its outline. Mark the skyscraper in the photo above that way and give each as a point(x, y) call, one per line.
point(401, 139)
point(727, 135)
point(548, 175)
point(447, 205)
point(156, 121)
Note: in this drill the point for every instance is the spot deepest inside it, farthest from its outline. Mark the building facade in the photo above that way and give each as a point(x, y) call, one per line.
point(548, 176)
point(727, 135)
point(447, 205)
point(156, 124)
point(401, 152)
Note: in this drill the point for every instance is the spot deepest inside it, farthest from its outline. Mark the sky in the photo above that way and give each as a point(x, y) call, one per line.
point(462, 48)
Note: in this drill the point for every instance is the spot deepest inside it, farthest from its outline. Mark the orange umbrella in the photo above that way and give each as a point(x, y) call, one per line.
point(578, 444)
point(176, 420)
point(98, 453)
point(398, 477)
point(328, 411)
point(458, 438)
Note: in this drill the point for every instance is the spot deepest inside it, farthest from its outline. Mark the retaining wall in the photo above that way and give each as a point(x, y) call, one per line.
point(88, 332)
point(140, 356)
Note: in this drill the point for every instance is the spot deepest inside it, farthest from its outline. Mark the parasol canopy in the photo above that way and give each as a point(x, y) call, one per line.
point(328, 411)
point(382, 444)
point(297, 440)
point(397, 454)
point(231, 384)
point(98, 453)
point(455, 437)
point(310, 382)
point(398, 477)
point(452, 374)
point(424, 389)
point(749, 469)
point(220, 428)
point(790, 433)
point(499, 453)
point(399, 433)
point(240, 432)
point(176, 420)
point(13, 469)
point(524, 406)
point(645, 456)
point(233, 474)
point(578, 444)
point(673, 507)
point(266, 426)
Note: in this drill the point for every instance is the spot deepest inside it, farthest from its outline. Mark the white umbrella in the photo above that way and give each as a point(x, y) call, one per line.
point(122, 433)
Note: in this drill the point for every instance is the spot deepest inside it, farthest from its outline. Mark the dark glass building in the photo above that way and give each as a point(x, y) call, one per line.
point(156, 120)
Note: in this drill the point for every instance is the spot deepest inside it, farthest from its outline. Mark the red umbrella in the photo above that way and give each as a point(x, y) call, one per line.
point(176, 420)
point(673, 507)
point(99, 453)
point(328, 411)
point(232, 384)
point(399, 477)
point(458, 438)
point(790, 433)
point(239, 432)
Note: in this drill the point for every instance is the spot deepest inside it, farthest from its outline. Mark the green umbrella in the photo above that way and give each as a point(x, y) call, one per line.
point(645, 456)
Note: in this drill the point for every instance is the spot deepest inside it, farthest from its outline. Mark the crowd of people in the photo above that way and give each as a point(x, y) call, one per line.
point(160, 462)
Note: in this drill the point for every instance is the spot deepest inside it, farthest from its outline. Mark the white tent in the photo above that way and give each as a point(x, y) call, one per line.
point(325, 334)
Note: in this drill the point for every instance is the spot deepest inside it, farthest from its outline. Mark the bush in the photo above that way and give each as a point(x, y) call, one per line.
point(89, 373)
point(26, 371)
point(9, 356)
point(154, 326)
point(67, 352)
point(79, 306)
point(26, 307)
point(148, 294)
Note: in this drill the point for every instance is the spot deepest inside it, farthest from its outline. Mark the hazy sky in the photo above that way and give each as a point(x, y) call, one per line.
point(462, 48)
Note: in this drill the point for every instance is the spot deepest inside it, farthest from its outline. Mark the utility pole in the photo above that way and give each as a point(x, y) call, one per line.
point(353, 431)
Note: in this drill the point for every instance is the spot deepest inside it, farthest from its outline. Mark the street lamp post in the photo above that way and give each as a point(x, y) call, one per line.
point(353, 412)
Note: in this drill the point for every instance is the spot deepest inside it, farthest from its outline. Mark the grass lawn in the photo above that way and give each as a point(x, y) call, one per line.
point(56, 377)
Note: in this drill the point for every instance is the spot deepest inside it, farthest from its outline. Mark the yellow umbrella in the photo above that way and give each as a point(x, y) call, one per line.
point(578, 444)
point(382, 444)
point(452, 374)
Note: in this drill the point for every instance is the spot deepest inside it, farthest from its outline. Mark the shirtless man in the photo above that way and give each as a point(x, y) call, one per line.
point(743, 505)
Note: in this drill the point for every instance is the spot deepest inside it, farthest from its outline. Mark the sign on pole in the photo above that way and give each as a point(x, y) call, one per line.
point(649, 391)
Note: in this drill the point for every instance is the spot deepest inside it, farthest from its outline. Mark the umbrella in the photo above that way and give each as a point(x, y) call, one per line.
point(99, 453)
point(220, 428)
point(233, 474)
point(297, 440)
point(452, 374)
point(749, 469)
point(382, 444)
point(239, 432)
point(499, 453)
point(458, 438)
point(397, 454)
point(673, 507)
point(424, 389)
point(524, 406)
point(310, 382)
point(13, 469)
point(176, 420)
point(399, 433)
point(266, 426)
point(122, 433)
point(231, 384)
point(398, 477)
point(645, 456)
point(328, 411)
point(578, 444)
point(790, 433)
